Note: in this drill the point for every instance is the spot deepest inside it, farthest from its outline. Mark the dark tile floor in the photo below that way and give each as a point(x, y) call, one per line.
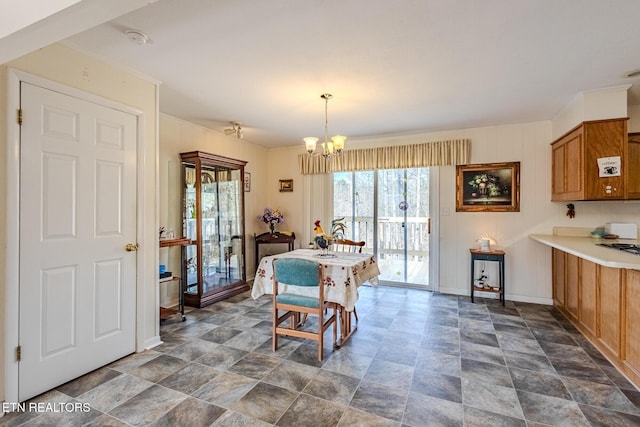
point(417, 359)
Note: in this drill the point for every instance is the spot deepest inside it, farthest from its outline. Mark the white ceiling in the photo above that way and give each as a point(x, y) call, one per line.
point(393, 66)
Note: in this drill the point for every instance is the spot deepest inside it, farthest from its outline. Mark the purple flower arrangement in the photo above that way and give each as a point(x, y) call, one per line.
point(271, 217)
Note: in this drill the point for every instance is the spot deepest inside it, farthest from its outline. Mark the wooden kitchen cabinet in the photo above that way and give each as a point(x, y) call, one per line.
point(610, 308)
point(572, 284)
point(574, 163)
point(633, 178)
point(567, 154)
point(558, 266)
point(631, 354)
point(588, 288)
point(566, 283)
point(604, 304)
point(575, 288)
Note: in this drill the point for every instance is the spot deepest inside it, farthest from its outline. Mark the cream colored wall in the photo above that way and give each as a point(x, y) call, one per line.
point(66, 66)
point(283, 164)
point(177, 136)
point(598, 104)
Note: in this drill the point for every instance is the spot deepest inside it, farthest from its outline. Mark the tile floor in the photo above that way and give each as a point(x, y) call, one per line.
point(417, 359)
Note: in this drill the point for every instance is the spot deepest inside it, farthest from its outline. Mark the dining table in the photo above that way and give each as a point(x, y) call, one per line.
point(344, 273)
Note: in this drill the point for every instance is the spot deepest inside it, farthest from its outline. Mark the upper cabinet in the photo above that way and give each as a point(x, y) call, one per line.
point(633, 177)
point(595, 161)
point(213, 219)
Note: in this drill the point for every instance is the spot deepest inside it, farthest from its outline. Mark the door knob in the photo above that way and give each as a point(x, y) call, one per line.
point(131, 247)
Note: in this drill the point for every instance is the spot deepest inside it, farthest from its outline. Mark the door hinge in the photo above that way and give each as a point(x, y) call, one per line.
point(18, 353)
point(20, 116)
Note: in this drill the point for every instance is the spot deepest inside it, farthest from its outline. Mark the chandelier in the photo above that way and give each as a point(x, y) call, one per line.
point(236, 129)
point(329, 148)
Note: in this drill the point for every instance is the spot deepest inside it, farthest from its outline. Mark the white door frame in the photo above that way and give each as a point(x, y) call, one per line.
point(434, 237)
point(12, 266)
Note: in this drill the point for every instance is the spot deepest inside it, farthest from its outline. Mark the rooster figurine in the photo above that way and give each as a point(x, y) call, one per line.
point(322, 240)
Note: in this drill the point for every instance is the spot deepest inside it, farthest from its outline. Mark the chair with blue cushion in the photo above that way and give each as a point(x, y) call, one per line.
point(298, 290)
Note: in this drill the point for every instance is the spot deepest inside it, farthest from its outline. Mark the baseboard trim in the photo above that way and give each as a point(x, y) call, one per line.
point(517, 298)
point(152, 342)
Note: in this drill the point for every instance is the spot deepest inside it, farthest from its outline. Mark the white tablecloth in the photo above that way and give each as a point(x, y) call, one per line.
point(343, 274)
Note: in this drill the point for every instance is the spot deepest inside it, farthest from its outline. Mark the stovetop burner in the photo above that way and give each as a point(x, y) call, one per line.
point(626, 247)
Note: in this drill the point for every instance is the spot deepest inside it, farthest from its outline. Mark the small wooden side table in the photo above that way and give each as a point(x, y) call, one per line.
point(277, 237)
point(493, 255)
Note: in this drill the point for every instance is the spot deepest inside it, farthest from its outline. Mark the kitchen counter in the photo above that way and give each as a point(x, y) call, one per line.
point(586, 247)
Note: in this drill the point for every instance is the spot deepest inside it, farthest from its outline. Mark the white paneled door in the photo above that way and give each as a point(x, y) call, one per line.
point(77, 214)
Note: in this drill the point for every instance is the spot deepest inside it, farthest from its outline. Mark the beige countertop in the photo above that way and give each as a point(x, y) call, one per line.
point(587, 248)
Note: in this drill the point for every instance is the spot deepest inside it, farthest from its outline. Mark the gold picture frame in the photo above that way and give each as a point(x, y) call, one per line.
point(286, 185)
point(488, 187)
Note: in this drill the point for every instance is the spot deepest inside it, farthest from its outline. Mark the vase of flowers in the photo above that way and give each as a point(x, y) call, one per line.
point(271, 217)
point(485, 185)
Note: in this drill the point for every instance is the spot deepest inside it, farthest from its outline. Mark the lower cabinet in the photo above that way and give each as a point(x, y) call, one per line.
point(558, 265)
point(572, 286)
point(610, 313)
point(604, 304)
point(588, 284)
point(632, 320)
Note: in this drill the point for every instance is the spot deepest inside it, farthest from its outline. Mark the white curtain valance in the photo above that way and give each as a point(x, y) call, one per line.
point(440, 153)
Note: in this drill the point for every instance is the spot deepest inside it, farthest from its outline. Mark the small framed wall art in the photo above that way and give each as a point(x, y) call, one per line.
point(286, 185)
point(247, 182)
point(489, 187)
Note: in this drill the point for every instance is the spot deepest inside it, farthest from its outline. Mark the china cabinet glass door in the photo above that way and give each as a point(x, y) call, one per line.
point(214, 221)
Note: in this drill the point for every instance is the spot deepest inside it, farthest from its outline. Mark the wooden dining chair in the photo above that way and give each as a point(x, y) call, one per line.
point(307, 276)
point(346, 245)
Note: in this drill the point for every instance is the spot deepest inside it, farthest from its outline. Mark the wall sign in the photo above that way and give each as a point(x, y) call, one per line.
point(609, 166)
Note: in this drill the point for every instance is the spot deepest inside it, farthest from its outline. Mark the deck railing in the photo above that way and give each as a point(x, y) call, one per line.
point(391, 235)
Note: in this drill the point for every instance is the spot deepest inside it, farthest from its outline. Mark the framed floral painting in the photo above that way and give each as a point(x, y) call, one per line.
point(488, 187)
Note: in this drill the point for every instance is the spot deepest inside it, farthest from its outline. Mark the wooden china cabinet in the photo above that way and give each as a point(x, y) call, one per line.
point(213, 218)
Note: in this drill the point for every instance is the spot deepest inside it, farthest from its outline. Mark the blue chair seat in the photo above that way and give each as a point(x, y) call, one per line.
point(298, 300)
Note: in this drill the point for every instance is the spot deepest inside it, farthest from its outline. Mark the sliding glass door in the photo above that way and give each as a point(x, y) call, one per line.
point(389, 210)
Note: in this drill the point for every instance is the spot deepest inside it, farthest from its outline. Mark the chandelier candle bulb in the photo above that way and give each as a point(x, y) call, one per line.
point(338, 142)
point(310, 144)
point(327, 147)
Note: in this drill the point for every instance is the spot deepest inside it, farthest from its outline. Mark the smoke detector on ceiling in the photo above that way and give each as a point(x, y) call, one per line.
point(137, 37)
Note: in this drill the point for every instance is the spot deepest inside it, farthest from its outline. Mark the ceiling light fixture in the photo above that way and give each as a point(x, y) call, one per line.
point(236, 129)
point(329, 148)
point(634, 73)
point(137, 37)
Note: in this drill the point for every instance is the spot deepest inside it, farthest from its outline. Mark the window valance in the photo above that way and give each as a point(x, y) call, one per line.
point(440, 153)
